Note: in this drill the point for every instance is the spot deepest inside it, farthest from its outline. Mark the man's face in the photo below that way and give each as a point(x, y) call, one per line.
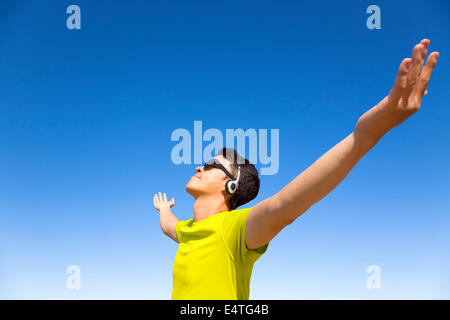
point(210, 181)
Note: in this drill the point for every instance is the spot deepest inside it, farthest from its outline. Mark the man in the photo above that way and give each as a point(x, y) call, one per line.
point(218, 247)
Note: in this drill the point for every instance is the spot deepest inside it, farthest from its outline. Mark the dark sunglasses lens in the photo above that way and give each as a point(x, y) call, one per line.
point(210, 163)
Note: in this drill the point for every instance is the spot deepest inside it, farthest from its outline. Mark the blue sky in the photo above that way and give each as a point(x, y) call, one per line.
point(86, 118)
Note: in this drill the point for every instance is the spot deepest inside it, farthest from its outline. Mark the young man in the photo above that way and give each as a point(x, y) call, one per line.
point(218, 247)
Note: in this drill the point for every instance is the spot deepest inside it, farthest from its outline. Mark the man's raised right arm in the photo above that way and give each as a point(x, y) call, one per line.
point(167, 219)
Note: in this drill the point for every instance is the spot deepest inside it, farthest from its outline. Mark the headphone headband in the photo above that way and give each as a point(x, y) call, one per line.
point(239, 174)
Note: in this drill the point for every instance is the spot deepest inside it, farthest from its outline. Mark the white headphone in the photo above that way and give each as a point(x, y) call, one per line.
point(232, 185)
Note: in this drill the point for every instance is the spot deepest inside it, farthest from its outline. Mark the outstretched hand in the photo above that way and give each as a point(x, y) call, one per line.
point(405, 97)
point(160, 202)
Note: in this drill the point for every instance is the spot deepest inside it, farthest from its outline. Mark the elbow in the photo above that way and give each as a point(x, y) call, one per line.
point(290, 220)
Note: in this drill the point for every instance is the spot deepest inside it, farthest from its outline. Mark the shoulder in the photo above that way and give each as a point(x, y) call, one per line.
point(184, 222)
point(237, 214)
point(181, 224)
point(235, 218)
point(234, 233)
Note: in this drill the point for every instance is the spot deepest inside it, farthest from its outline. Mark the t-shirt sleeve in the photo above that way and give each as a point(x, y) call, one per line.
point(178, 225)
point(233, 232)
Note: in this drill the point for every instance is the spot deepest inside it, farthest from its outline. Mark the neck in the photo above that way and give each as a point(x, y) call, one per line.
point(206, 206)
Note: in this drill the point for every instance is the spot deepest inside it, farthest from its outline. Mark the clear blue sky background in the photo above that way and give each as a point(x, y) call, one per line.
point(86, 117)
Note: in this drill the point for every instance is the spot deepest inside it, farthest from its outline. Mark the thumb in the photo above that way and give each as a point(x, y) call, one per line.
point(172, 202)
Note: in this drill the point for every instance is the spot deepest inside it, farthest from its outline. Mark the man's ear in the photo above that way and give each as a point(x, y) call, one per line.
point(226, 195)
point(224, 191)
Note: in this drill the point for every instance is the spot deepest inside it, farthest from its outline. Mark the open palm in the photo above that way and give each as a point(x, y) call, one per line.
point(405, 97)
point(160, 202)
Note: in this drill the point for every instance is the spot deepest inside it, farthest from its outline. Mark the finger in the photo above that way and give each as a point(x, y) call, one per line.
point(418, 55)
point(165, 198)
point(154, 202)
point(400, 81)
point(160, 197)
point(425, 42)
point(172, 202)
point(425, 75)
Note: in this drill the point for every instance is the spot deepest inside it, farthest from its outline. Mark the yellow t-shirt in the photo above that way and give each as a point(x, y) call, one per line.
point(212, 261)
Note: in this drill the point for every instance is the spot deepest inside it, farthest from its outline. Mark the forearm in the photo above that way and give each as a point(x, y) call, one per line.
point(167, 221)
point(321, 177)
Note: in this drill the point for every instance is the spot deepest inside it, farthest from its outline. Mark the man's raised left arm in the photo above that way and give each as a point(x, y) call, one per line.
point(269, 217)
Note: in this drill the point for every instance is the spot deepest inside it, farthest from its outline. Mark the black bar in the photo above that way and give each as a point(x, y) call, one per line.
point(228, 309)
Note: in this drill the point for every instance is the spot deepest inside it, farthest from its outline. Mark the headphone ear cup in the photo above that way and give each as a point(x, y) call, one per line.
point(230, 186)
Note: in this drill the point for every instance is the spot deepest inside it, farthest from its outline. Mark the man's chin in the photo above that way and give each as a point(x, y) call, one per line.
point(192, 191)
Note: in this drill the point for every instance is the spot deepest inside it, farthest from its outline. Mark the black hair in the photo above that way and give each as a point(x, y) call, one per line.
point(248, 181)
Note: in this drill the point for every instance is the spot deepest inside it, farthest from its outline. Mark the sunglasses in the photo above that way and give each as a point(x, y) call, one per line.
point(214, 163)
